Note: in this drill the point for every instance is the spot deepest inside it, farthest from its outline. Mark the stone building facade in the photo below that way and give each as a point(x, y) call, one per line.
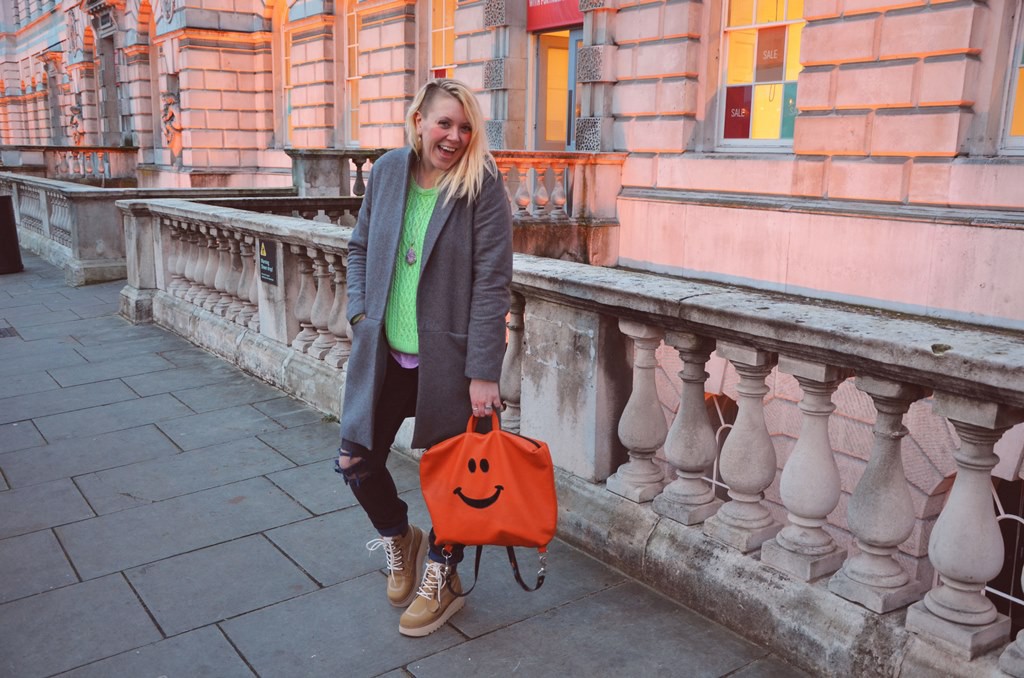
point(858, 151)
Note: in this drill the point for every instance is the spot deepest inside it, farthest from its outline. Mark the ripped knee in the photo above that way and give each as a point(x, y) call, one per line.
point(353, 470)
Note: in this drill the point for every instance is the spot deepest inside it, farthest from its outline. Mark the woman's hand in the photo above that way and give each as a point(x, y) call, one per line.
point(484, 397)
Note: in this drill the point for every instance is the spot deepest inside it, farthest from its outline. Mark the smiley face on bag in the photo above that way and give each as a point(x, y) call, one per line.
point(480, 471)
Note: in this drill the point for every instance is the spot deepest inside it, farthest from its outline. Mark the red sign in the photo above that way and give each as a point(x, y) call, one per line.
point(544, 14)
point(737, 112)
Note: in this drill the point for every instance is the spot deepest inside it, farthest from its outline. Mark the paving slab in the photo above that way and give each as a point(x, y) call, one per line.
point(121, 349)
point(33, 405)
point(70, 457)
point(32, 563)
point(306, 444)
point(75, 328)
point(96, 310)
point(158, 479)
point(11, 347)
point(288, 412)
point(769, 667)
point(113, 417)
point(23, 319)
point(331, 548)
point(116, 331)
point(317, 487)
point(238, 389)
point(345, 630)
point(72, 626)
point(204, 653)
point(193, 356)
point(26, 383)
point(22, 357)
point(117, 541)
point(181, 378)
point(219, 426)
point(128, 366)
point(12, 301)
point(18, 436)
point(652, 636)
point(38, 507)
point(3, 483)
point(216, 583)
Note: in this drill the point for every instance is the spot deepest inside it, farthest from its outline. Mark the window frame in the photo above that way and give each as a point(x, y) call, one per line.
point(1013, 145)
point(720, 142)
point(433, 31)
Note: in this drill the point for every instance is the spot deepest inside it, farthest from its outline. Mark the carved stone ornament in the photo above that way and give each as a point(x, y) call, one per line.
point(494, 13)
point(588, 64)
point(494, 74)
point(588, 134)
point(587, 5)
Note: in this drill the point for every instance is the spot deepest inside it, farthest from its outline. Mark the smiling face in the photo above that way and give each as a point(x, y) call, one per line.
point(444, 133)
point(481, 502)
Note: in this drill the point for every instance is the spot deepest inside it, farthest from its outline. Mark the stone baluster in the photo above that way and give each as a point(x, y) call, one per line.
point(189, 293)
point(966, 546)
point(221, 262)
point(243, 313)
point(747, 462)
point(323, 302)
point(338, 323)
point(642, 427)
point(522, 197)
point(175, 256)
point(360, 186)
point(880, 513)
point(558, 197)
point(223, 281)
point(233, 277)
point(254, 287)
point(208, 245)
point(304, 301)
point(810, 484)
point(690, 446)
point(512, 366)
point(540, 193)
point(505, 170)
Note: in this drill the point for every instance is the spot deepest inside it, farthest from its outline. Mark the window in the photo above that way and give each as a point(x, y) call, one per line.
point(762, 60)
point(1013, 135)
point(352, 72)
point(442, 38)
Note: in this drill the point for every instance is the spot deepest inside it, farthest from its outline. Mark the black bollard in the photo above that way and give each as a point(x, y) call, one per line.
point(10, 253)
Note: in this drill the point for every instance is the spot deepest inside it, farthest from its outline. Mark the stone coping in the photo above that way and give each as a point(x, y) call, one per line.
point(85, 191)
point(968, 360)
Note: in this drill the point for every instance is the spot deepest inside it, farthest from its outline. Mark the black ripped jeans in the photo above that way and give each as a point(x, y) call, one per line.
point(370, 479)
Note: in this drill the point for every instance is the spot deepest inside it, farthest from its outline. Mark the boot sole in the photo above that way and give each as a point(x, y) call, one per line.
point(421, 631)
point(421, 556)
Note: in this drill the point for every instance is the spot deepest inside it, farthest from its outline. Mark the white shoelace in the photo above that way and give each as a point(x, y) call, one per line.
point(433, 581)
point(391, 552)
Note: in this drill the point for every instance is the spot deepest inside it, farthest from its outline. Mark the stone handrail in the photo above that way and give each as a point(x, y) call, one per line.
point(94, 165)
point(341, 211)
point(77, 226)
point(579, 373)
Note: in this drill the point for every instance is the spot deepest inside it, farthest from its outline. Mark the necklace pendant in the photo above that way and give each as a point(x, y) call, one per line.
point(410, 256)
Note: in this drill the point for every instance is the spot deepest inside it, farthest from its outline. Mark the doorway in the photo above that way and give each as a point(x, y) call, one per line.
point(557, 105)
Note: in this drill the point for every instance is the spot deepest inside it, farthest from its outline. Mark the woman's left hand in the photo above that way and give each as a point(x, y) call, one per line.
point(484, 397)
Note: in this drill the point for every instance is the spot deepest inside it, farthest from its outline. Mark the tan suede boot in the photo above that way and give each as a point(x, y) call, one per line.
point(435, 602)
point(405, 556)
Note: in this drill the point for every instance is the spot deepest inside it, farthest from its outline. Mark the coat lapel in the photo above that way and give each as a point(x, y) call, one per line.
point(437, 221)
point(393, 213)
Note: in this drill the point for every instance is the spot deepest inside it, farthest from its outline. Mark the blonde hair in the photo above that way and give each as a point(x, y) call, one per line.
point(467, 177)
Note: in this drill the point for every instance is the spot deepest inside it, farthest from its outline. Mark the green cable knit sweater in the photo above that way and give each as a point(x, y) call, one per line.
point(400, 315)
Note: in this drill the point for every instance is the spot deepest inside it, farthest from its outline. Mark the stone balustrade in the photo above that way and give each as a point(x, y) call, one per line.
point(268, 292)
point(107, 166)
point(78, 228)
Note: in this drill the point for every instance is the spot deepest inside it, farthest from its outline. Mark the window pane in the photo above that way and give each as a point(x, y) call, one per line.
point(737, 112)
point(741, 57)
point(788, 110)
point(769, 11)
point(741, 12)
point(795, 9)
point(1017, 122)
point(793, 66)
point(771, 48)
point(767, 112)
point(437, 50)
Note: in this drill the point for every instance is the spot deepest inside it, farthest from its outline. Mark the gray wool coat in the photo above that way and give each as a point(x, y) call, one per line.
point(462, 300)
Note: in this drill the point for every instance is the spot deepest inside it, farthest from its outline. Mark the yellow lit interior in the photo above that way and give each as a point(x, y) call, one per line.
point(741, 57)
point(767, 112)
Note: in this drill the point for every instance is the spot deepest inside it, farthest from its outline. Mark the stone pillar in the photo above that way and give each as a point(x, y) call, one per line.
point(323, 302)
point(304, 301)
point(810, 484)
point(642, 427)
point(505, 74)
point(966, 546)
point(690, 446)
point(512, 366)
point(747, 462)
point(880, 513)
point(136, 302)
point(595, 76)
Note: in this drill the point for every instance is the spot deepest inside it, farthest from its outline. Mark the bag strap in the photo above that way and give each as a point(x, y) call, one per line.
point(542, 556)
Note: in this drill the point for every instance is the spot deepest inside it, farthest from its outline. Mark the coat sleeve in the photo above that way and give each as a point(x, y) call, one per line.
point(492, 276)
point(356, 273)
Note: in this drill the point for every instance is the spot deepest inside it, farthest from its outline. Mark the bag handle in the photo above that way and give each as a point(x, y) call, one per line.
point(495, 423)
point(542, 555)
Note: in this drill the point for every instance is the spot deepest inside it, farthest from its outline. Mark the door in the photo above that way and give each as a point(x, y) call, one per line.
point(557, 107)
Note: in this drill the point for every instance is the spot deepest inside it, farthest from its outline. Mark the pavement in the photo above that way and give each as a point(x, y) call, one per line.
point(164, 514)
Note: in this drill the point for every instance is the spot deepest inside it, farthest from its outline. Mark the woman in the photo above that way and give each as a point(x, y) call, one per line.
point(429, 267)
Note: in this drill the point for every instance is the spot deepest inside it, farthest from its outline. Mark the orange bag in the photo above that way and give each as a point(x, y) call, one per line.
point(491, 488)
